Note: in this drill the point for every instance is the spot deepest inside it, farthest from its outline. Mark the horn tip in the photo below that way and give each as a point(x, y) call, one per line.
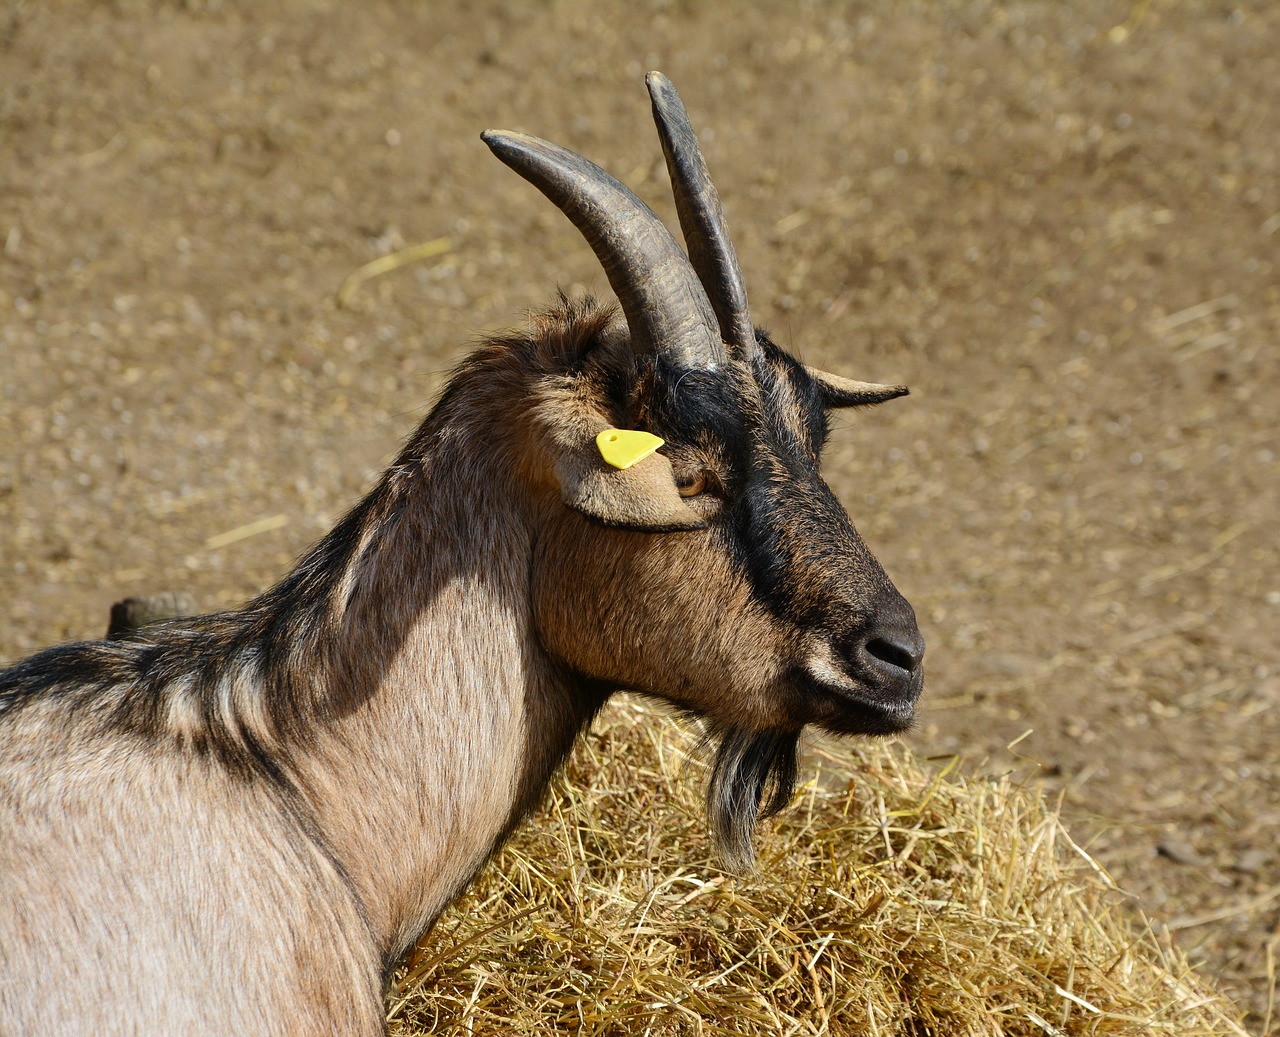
point(523, 150)
point(497, 139)
point(661, 90)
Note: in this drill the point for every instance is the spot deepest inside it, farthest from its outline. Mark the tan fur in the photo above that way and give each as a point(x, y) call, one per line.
point(144, 887)
point(166, 899)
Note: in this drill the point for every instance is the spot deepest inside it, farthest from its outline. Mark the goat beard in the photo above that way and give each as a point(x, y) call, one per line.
point(753, 777)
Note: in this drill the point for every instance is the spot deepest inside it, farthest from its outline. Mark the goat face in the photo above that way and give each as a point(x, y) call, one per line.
point(767, 611)
point(720, 574)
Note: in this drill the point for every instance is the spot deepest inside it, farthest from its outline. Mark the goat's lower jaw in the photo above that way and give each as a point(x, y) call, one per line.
point(849, 707)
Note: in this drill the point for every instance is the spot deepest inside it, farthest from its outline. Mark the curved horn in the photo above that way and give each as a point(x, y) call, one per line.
point(701, 218)
point(666, 307)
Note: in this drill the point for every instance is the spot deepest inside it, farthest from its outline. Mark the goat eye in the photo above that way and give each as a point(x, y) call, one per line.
point(691, 485)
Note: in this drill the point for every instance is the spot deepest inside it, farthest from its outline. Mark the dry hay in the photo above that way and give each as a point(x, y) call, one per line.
point(890, 899)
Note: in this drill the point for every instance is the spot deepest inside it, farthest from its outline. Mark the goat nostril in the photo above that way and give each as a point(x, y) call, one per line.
point(904, 657)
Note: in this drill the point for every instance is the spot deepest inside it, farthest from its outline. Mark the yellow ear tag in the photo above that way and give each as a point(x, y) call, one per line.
point(622, 447)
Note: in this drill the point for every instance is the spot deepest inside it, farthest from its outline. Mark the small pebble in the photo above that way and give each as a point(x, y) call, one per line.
point(1252, 860)
point(1180, 851)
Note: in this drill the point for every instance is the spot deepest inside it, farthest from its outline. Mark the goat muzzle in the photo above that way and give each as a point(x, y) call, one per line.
point(891, 654)
point(868, 682)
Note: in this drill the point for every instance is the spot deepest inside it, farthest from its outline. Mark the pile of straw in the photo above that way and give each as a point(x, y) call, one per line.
point(890, 899)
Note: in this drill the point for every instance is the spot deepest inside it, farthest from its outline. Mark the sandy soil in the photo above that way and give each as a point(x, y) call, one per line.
point(1058, 223)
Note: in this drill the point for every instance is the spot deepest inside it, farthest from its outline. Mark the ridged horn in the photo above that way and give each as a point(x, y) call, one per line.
point(701, 217)
point(666, 307)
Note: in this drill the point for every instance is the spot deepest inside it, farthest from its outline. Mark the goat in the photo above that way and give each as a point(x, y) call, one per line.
point(241, 822)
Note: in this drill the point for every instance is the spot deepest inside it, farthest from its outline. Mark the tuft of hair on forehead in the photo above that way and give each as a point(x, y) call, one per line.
point(753, 777)
point(572, 327)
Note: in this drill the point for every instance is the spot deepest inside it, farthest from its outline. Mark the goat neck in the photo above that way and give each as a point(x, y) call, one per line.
point(433, 677)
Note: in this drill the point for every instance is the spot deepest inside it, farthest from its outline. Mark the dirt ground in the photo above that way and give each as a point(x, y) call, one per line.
point(1059, 223)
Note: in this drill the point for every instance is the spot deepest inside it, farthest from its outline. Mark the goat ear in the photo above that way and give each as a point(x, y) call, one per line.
point(845, 392)
point(642, 497)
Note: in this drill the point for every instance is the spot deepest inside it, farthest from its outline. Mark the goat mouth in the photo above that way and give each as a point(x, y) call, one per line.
point(848, 706)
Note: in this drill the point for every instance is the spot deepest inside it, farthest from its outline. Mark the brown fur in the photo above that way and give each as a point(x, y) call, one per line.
point(239, 823)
